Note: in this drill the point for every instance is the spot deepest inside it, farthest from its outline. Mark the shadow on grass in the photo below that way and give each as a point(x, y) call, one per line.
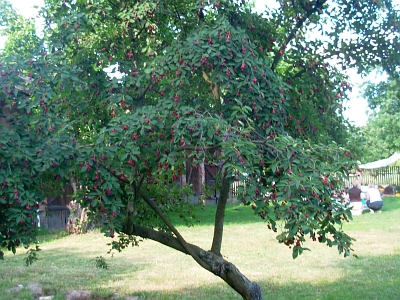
point(363, 278)
point(63, 268)
point(391, 203)
point(234, 214)
point(237, 213)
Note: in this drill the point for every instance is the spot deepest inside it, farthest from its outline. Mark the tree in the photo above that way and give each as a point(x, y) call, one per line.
point(19, 31)
point(383, 96)
point(200, 83)
point(381, 131)
point(380, 137)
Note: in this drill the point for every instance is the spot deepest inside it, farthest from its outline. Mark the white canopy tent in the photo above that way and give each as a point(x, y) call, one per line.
point(381, 163)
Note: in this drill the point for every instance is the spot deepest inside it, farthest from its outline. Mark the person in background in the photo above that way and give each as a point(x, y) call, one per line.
point(355, 192)
point(374, 199)
point(355, 198)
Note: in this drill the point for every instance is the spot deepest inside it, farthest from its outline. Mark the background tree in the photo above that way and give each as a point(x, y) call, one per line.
point(199, 83)
point(19, 31)
point(381, 131)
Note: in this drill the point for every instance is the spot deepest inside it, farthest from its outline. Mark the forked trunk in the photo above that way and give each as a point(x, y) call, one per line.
point(216, 264)
point(209, 260)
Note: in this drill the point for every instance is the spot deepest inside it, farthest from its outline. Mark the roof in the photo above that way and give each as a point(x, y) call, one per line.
point(381, 163)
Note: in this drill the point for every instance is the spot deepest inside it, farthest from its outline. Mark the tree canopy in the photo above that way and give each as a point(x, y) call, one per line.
point(19, 31)
point(194, 83)
point(381, 131)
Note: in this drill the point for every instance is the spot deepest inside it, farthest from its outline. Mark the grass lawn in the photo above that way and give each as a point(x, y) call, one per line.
point(153, 271)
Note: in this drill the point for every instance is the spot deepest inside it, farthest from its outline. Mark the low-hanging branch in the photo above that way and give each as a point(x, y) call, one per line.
point(167, 222)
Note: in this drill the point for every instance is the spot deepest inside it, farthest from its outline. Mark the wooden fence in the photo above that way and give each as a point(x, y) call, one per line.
point(383, 176)
point(55, 213)
point(56, 217)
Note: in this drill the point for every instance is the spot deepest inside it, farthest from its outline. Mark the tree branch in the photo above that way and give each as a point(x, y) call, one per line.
point(112, 3)
point(298, 74)
point(214, 87)
point(181, 240)
point(292, 34)
point(163, 238)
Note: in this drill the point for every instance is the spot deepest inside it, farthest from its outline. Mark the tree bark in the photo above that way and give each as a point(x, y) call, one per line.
point(214, 263)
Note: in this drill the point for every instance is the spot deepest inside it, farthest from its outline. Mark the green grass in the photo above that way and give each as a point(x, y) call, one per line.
point(153, 271)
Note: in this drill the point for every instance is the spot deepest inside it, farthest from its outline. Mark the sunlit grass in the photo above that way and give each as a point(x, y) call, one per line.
point(153, 271)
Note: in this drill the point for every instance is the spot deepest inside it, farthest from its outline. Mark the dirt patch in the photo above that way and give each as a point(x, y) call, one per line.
point(36, 289)
point(78, 295)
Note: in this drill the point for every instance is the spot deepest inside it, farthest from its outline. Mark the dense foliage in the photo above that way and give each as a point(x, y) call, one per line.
point(194, 83)
point(381, 132)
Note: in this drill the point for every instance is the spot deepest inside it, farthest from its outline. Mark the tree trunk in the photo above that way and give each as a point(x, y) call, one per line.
point(209, 260)
point(214, 263)
point(220, 216)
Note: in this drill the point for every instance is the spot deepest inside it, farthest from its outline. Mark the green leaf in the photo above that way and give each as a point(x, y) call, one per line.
point(295, 252)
